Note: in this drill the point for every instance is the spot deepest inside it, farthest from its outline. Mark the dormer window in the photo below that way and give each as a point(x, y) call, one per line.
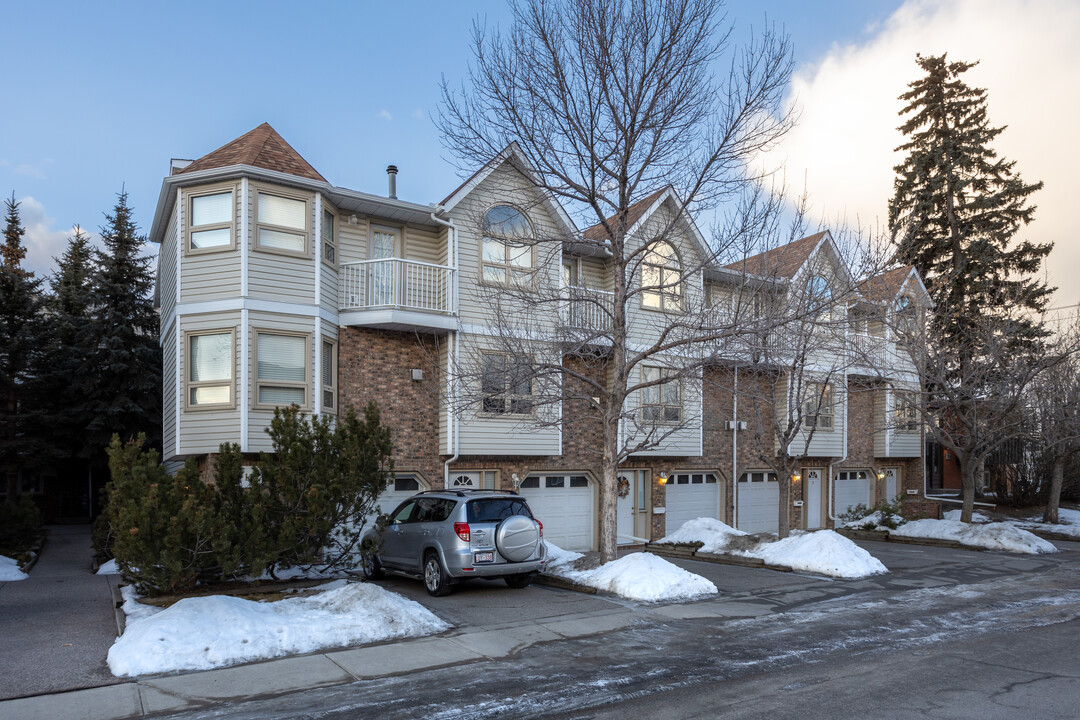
point(506, 254)
point(210, 221)
point(661, 278)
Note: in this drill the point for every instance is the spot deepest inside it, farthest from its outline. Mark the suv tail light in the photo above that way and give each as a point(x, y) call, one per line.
point(462, 530)
point(541, 527)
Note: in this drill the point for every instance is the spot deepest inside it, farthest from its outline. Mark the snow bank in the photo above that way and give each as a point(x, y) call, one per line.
point(823, 552)
point(1069, 523)
point(976, 517)
point(108, 568)
point(209, 632)
point(715, 534)
point(9, 570)
point(991, 536)
point(637, 576)
point(873, 520)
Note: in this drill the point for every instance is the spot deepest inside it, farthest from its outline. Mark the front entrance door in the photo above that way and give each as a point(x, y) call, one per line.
point(813, 498)
point(464, 481)
point(892, 483)
point(632, 510)
point(384, 246)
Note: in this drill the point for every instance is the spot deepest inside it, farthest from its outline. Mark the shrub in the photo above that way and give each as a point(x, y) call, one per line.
point(20, 526)
point(892, 514)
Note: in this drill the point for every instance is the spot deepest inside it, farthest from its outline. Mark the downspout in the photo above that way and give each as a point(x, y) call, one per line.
point(452, 421)
point(847, 404)
point(735, 450)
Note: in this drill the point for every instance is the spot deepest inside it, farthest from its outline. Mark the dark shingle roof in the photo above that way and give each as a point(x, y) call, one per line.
point(781, 262)
point(596, 233)
point(262, 148)
point(885, 287)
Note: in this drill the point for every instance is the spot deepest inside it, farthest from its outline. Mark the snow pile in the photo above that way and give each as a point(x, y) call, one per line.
point(976, 517)
point(209, 632)
point(1069, 523)
point(823, 552)
point(108, 568)
point(991, 536)
point(637, 576)
point(9, 570)
point(873, 521)
point(715, 534)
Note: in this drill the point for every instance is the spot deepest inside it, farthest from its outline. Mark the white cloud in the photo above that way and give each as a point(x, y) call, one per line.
point(42, 241)
point(1029, 61)
point(384, 114)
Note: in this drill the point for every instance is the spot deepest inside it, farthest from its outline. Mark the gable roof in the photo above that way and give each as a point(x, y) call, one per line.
point(262, 148)
point(885, 287)
point(781, 262)
point(596, 233)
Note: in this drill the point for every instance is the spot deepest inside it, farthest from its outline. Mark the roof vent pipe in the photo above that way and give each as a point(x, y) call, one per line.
point(391, 171)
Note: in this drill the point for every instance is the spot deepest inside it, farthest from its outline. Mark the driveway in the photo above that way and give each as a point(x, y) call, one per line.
point(56, 627)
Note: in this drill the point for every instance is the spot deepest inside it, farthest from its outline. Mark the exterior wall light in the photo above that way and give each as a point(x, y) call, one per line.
point(880, 474)
point(663, 478)
point(796, 477)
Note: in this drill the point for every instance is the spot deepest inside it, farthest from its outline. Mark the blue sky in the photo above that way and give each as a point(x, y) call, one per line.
point(102, 95)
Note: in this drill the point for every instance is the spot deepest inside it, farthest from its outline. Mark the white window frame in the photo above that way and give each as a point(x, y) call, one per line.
point(189, 228)
point(260, 226)
point(668, 295)
point(905, 411)
point(330, 353)
point(660, 403)
point(507, 396)
point(305, 385)
point(188, 366)
point(819, 405)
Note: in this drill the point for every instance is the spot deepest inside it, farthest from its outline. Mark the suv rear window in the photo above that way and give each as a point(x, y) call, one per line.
point(496, 509)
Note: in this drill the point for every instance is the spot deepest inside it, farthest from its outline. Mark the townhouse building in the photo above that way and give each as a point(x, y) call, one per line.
point(276, 287)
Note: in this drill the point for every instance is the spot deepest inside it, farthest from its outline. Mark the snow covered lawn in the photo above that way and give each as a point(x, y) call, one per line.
point(209, 632)
point(9, 570)
point(823, 551)
point(1069, 525)
point(976, 517)
point(637, 576)
point(990, 536)
point(108, 568)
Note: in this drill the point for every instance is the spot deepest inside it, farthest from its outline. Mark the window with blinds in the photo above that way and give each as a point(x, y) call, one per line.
point(210, 221)
point(329, 376)
point(329, 243)
point(282, 223)
point(281, 375)
point(210, 361)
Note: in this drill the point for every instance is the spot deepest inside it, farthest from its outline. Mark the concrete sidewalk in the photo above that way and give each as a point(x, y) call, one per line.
point(56, 627)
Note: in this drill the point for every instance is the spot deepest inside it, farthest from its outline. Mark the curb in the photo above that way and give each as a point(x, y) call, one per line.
point(562, 584)
point(690, 552)
point(36, 549)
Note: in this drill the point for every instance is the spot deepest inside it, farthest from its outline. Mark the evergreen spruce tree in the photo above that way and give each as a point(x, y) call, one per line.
point(121, 367)
point(24, 441)
point(957, 207)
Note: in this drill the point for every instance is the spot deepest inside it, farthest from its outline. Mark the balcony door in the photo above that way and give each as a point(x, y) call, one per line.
point(385, 245)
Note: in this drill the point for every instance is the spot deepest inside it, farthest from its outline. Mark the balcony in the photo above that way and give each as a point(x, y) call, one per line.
point(397, 294)
point(869, 351)
point(587, 312)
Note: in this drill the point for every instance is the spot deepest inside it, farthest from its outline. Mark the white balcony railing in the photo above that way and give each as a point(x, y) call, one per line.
point(397, 283)
point(586, 309)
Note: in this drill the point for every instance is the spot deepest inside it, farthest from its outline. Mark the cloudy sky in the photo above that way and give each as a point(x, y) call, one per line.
point(99, 97)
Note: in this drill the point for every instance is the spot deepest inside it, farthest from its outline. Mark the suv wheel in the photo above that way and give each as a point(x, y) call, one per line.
point(519, 581)
point(435, 578)
point(371, 567)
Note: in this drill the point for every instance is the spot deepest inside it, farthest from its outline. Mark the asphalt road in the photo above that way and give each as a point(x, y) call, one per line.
point(948, 634)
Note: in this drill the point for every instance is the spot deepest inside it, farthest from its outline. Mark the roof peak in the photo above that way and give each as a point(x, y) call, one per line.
point(261, 147)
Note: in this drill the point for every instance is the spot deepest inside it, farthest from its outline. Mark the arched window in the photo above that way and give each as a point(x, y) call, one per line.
point(818, 292)
point(661, 278)
point(506, 254)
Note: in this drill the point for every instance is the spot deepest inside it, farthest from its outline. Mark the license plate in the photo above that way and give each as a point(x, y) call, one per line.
point(483, 557)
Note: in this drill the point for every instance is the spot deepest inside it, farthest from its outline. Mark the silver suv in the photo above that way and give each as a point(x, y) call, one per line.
point(447, 536)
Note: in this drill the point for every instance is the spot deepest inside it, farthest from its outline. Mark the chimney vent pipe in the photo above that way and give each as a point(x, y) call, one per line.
point(391, 172)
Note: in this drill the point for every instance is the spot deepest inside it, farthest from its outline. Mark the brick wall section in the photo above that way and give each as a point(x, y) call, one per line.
point(377, 365)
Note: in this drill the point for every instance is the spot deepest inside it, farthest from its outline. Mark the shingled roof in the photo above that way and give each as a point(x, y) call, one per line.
point(781, 262)
point(596, 233)
point(262, 148)
point(886, 286)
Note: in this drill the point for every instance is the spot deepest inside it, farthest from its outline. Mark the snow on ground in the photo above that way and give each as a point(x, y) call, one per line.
point(108, 568)
point(637, 576)
point(200, 633)
point(871, 522)
point(991, 536)
point(9, 570)
point(823, 551)
point(1069, 523)
point(976, 517)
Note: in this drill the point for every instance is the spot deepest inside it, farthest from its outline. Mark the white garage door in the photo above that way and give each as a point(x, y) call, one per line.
point(401, 489)
point(852, 488)
point(759, 502)
point(689, 496)
point(564, 504)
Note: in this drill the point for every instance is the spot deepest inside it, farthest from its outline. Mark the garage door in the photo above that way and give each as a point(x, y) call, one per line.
point(564, 504)
point(852, 488)
point(759, 502)
point(401, 489)
point(689, 496)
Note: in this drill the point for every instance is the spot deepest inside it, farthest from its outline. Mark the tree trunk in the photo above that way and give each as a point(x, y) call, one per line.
point(1056, 477)
point(968, 472)
point(609, 496)
point(784, 516)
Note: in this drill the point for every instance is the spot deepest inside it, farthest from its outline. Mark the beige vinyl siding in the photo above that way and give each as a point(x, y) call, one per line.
point(595, 274)
point(506, 436)
point(352, 239)
point(504, 186)
point(828, 443)
point(212, 275)
point(424, 244)
point(905, 443)
point(328, 290)
point(168, 390)
point(685, 440)
point(173, 465)
point(274, 276)
point(204, 431)
point(259, 419)
point(166, 278)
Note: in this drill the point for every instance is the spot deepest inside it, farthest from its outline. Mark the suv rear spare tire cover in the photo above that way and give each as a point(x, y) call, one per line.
point(516, 538)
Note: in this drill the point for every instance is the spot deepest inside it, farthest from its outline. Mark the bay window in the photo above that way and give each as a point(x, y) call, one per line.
point(281, 369)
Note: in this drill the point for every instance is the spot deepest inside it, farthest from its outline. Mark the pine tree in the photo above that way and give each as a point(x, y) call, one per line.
point(24, 442)
point(957, 206)
point(121, 369)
